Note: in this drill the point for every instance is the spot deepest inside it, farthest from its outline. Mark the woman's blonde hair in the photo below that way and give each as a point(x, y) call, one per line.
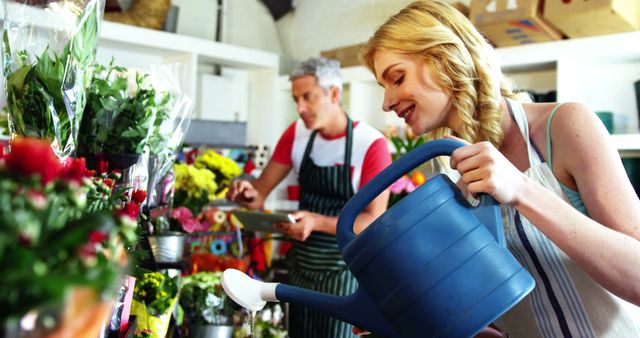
point(461, 60)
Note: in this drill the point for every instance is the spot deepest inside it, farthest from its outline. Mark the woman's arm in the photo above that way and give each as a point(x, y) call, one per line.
point(607, 247)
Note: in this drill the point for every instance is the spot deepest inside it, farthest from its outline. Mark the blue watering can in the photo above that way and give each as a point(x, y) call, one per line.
point(430, 266)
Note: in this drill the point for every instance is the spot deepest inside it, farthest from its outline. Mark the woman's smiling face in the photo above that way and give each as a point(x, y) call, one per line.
point(411, 91)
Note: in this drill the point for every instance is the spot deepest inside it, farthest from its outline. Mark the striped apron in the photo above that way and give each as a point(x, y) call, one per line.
point(316, 263)
point(566, 301)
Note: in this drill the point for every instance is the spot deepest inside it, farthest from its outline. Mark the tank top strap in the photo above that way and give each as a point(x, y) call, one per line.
point(517, 113)
point(548, 134)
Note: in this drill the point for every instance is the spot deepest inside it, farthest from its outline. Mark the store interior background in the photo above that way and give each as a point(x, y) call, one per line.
point(244, 49)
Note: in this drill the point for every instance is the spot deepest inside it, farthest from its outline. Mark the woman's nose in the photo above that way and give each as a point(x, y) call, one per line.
point(388, 103)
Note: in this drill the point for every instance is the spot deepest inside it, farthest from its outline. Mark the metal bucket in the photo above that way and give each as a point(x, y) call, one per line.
point(211, 331)
point(167, 247)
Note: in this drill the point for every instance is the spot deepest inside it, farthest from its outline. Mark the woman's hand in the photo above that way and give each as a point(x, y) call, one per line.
point(302, 228)
point(483, 169)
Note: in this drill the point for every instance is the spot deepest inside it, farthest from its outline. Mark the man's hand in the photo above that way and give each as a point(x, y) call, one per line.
point(303, 227)
point(241, 191)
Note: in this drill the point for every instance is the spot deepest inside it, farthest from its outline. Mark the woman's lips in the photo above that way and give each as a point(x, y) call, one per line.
point(407, 113)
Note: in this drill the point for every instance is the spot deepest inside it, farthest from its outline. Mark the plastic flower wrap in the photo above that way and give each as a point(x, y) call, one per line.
point(48, 47)
point(169, 128)
point(60, 230)
point(194, 187)
point(224, 168)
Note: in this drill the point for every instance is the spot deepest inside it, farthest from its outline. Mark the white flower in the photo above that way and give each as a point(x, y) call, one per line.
point(265, 315)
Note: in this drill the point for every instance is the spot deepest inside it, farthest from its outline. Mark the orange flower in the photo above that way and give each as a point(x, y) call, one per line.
point(417, 177)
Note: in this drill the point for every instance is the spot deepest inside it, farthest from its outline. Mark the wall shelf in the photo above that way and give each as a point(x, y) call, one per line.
point(598, 71)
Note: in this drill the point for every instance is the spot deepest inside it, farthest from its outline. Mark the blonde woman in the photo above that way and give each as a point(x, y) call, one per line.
point(572, 217)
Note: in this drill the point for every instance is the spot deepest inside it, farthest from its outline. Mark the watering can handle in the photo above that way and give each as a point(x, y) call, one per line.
point(392, 173)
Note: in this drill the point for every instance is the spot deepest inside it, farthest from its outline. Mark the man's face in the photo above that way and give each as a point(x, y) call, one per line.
point(312, 101)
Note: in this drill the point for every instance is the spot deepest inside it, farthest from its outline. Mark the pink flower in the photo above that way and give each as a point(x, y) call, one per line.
point(181, 214)
point(403, 184)
point(190, 225)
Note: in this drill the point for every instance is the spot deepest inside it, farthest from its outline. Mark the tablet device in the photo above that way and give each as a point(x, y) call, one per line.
point(261, 221)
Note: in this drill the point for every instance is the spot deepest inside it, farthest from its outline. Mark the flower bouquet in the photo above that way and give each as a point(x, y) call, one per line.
point(62, 239)
point(404, 143)
point(47, 68)
point(154, 296)
point(121, 110)
point(194, 187)
point(224, 169)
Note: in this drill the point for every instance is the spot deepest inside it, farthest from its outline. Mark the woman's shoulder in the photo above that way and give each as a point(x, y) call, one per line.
point(558, 118)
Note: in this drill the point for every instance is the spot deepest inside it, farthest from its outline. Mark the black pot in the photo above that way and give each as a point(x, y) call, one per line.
point(116, 161)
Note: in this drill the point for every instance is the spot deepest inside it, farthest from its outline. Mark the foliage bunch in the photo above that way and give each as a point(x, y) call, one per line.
point(121, 112)
point(46, 96)
point(156, 290)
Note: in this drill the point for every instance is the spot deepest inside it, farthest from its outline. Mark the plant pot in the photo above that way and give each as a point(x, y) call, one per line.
point(121, 161)
point(211, 331)
point(167, 247)
point(116, 161)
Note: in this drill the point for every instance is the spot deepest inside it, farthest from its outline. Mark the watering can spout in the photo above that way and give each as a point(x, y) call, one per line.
point(357, 308)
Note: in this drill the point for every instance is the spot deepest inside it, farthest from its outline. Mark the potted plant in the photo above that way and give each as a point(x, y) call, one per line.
point(169, 234)
point(208, 311)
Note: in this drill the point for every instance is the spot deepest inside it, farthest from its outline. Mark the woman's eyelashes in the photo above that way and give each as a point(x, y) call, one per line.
point(398, 80)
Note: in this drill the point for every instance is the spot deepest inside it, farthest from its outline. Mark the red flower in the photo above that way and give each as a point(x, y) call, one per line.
point(75, 169)
point(257, 253)
point(130, 210)
point(33, 157)
point(138, 196)
point(97, 236)
point(103, 166)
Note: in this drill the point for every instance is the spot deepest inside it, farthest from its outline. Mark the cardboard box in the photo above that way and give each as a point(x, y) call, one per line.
point(513, 22)
point(348, 56)
point(577, 18)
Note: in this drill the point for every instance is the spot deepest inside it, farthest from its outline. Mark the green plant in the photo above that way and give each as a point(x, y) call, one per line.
point(46, 96)
point(203, 300)
point(267, 323)
point(120, 115)
point(59, 229)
